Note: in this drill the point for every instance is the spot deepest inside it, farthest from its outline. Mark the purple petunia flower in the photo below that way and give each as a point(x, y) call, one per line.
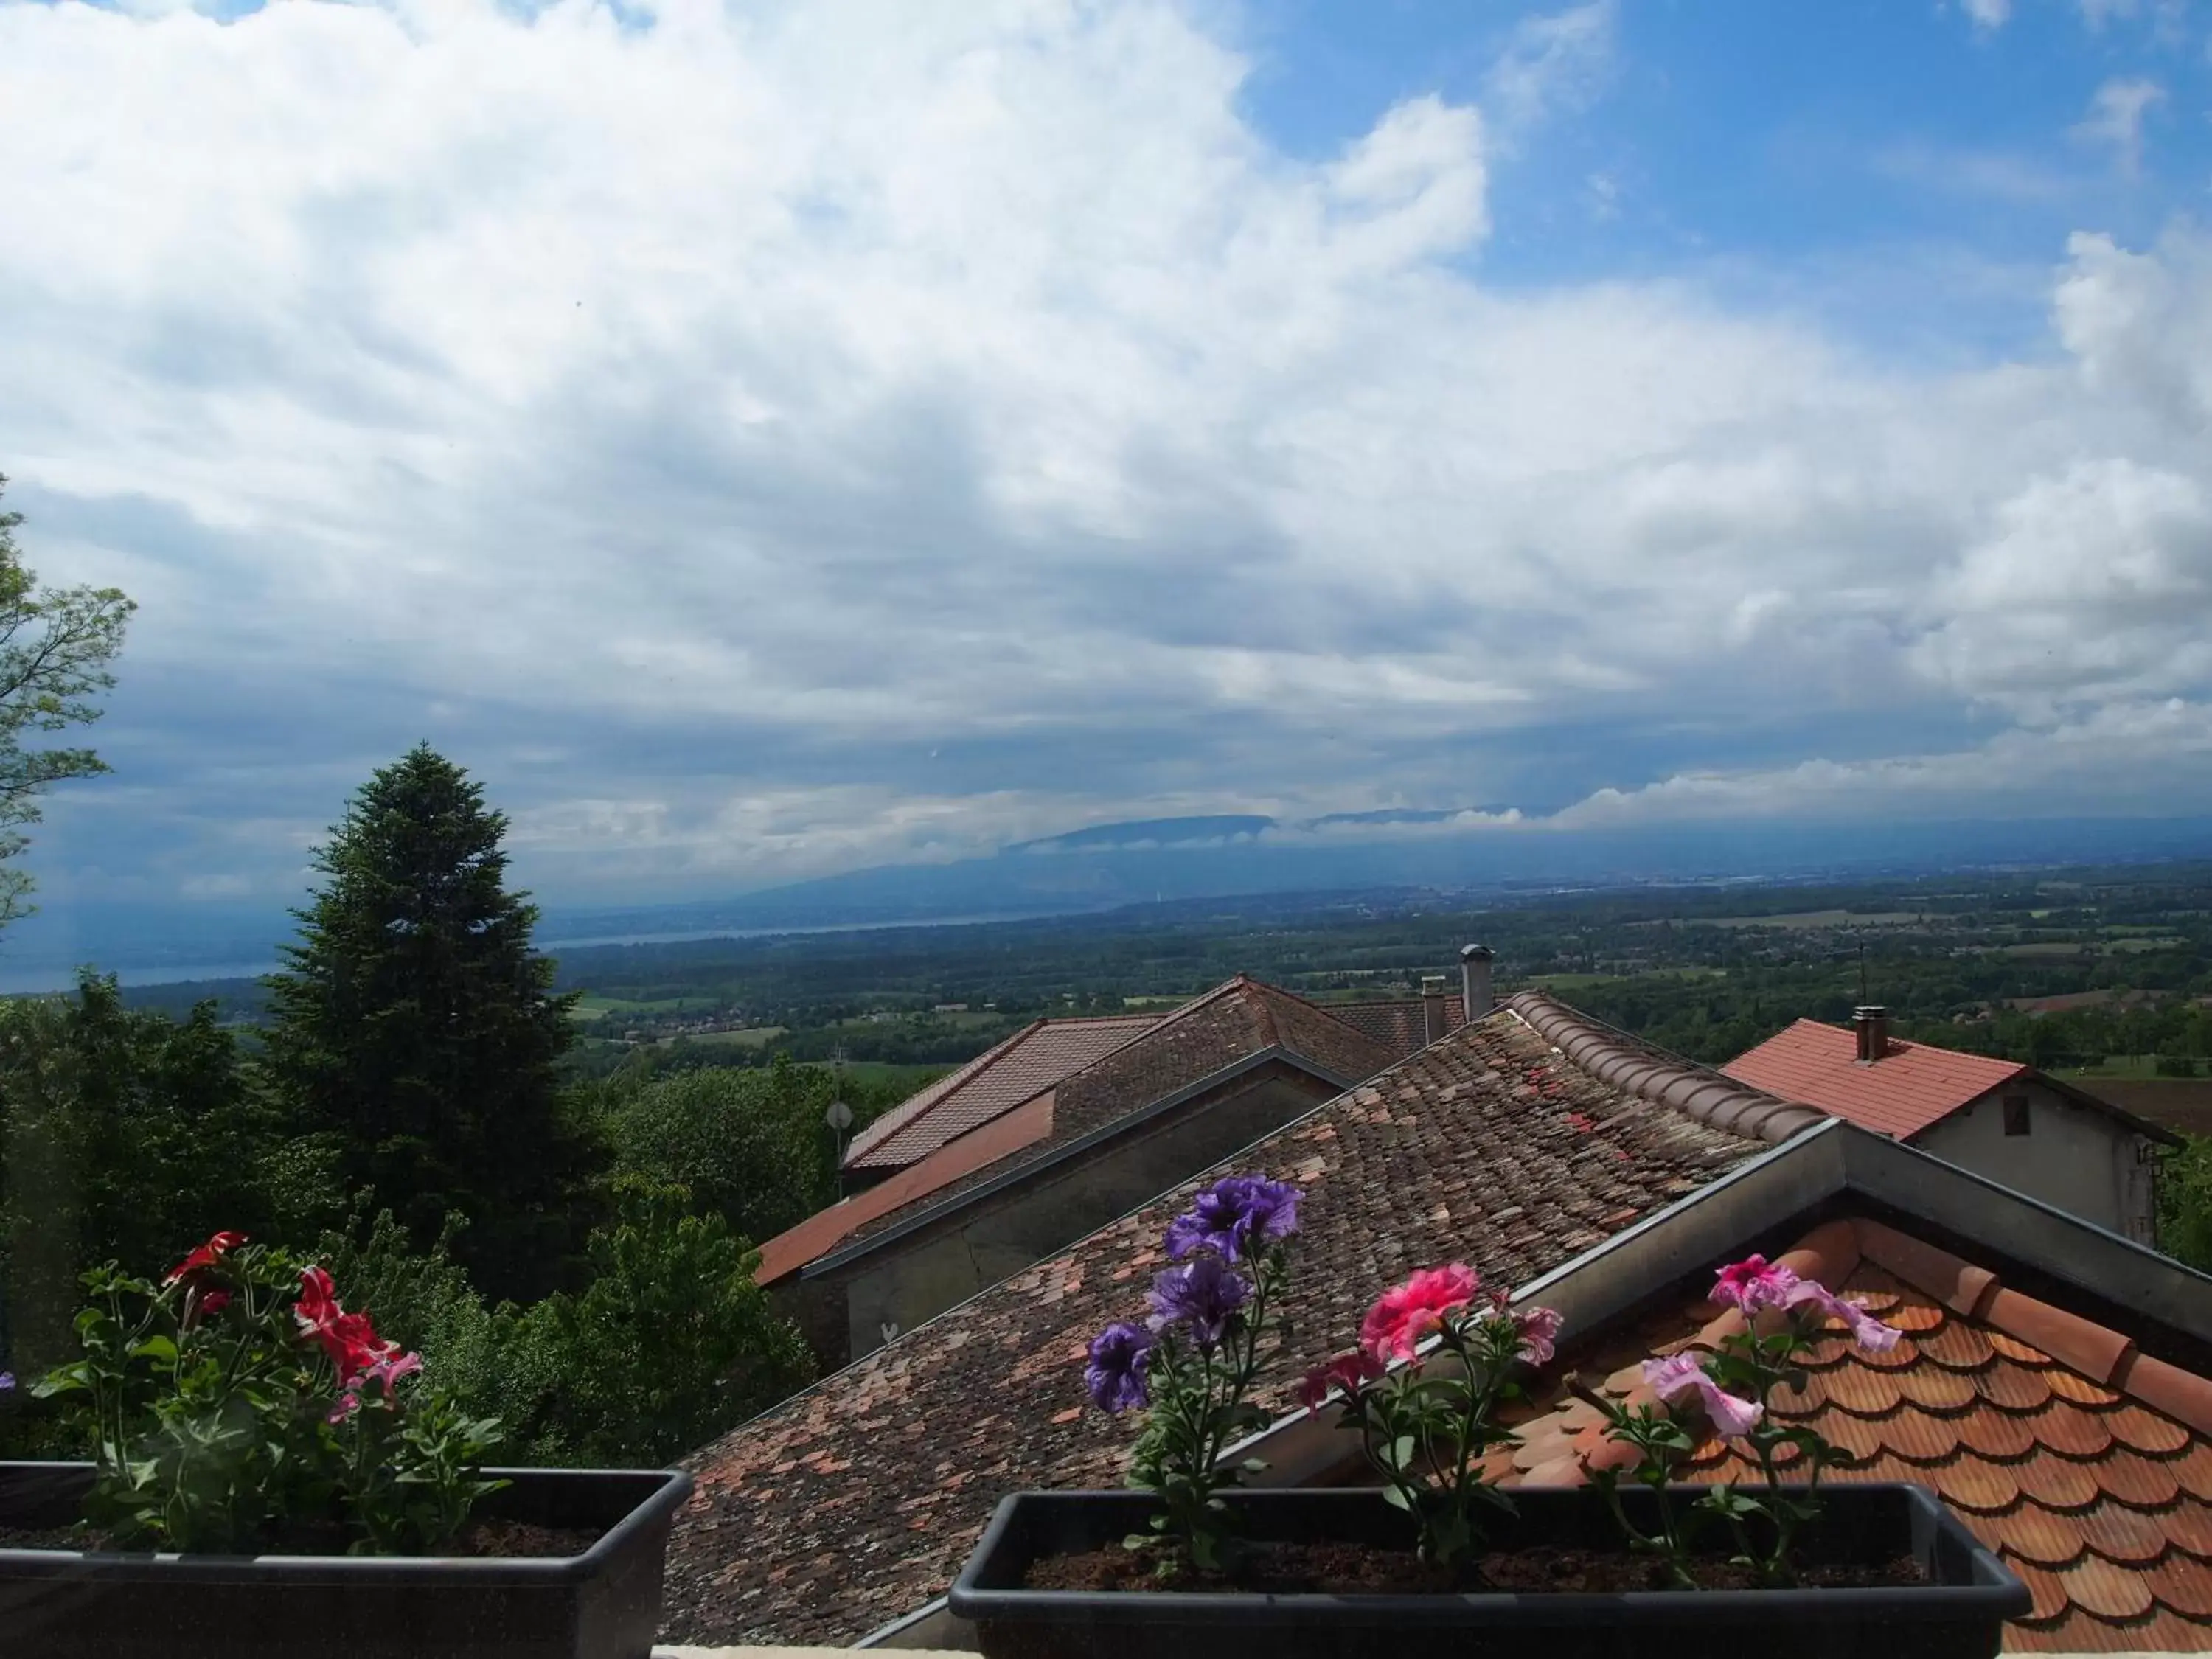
point(7, 1381)
point(1235, 1215)
point(1115, 1374)
point(1200, 1297)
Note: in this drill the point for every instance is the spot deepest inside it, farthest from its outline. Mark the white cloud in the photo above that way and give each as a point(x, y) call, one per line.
point(2140, 327)
point(2115, 119)
point(2123, 760)
point(1556, 63)
point(698, 426)
point(1988, 14)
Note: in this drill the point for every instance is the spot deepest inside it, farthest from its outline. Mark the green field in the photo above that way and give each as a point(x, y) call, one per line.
point(592, 1004)
point(2142, 1069)
point(1818, 919)
point(753, 1036)
point(1578, 981)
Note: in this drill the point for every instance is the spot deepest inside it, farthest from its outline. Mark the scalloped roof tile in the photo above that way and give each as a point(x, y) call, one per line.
point(2100, 1501)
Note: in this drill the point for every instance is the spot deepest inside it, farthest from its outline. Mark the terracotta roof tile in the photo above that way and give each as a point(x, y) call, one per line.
point(2178, 1583)
point(2091, 1349)
point(1419, 1165)
point(2056, 1484)
point(1910, 1087)
point(1001, 1079)
point(2181, 1394)
point(2101, 1499)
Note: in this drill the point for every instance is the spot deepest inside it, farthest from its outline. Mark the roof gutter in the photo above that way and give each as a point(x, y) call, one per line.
point(932, 1625)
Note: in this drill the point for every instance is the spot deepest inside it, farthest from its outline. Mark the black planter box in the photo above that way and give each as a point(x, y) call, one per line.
point(1961, 1611)
point(602, 1604)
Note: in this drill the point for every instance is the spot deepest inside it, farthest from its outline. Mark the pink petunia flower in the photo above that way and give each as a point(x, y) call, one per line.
point(1754, 1285)
point(1867, 1331)
point(1673, 1377)
point(1348, 1371)
point(1406, 1312)
point(1539, 1334)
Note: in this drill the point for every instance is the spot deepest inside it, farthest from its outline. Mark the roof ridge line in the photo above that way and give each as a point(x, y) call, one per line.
point(890, 1125)
point(1133, 1038)
point(1627, 1062)
point(1325, 1011)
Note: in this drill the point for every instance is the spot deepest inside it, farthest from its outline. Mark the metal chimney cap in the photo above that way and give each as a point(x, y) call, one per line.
point(1476, 953)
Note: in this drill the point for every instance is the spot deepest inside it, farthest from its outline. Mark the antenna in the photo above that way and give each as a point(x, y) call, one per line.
point(839, 1117)
point(1864, 997)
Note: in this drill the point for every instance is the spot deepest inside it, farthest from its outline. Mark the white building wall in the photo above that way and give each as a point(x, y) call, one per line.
point(2073, 1158)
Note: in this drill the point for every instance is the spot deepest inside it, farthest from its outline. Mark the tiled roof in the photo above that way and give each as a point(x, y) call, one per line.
point(1402, 1025)
point(1908, 1088)
point(825, 1229)
point(1233, 1021)
point(997, 1080)
point(855, 1502)
point(2085, 1462)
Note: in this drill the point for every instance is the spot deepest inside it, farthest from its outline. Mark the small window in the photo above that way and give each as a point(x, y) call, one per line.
point(2015, 1108)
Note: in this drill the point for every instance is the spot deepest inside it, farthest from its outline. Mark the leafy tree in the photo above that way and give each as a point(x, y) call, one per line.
point(2184, 1203)
point(55, 647)
point(421, 1299)
point(670, 1345)
point(124, 1136)
point(416, 1027)
point(749, 1145)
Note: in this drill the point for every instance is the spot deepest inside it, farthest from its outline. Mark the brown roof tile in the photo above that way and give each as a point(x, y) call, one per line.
point(997, 1080)
point(1487, 1147)
point(1402, 1026)
point(1235, 1021)
point(2099, 1499)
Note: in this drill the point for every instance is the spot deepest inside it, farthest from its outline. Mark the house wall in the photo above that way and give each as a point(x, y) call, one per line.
point(922, 1275)
point(2075, 1159)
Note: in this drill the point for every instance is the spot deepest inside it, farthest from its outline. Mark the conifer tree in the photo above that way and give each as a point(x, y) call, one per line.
point(417, 1031)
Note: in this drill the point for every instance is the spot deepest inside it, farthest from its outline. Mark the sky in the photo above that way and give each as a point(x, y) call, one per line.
point(759, 440)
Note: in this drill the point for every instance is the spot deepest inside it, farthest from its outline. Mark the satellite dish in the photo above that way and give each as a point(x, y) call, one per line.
point(839, 1116)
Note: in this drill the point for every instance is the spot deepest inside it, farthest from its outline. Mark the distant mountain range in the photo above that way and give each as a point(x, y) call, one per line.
point(1465, 852)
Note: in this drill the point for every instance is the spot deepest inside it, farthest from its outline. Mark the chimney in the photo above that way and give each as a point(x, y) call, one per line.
point(1873, 1024)
point(1432, 1007)
point(1474, 979)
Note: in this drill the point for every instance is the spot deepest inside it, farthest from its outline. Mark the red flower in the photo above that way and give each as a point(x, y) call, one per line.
point(1348, 1371)
point(352, 1345)
point(319, 1299)
point(214, 1303)
point(348, 1339)
point(1406, 1312)
point(206, 1256)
